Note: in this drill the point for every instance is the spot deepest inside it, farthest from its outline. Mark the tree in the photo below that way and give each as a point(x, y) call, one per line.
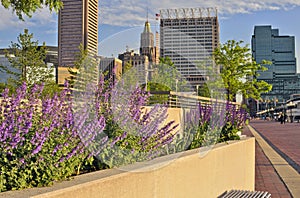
point(84, 73)
point(213, 86)
point(130, 75)
point(239, 70)
point(28, 7)
point(74, 71)
point(165, 77)
point(27, 63)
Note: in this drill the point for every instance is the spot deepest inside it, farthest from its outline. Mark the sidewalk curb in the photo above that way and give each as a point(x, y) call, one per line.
point(287, 173)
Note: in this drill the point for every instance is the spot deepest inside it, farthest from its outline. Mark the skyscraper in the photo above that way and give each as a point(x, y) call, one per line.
point(147, 43)
point(268, 45)
point(77, 24)
point(189, 36)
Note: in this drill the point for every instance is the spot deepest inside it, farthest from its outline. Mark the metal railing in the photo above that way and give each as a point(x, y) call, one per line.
point(184, 100)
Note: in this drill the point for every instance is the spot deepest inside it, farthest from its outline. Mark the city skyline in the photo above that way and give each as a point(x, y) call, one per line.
point(237, 20)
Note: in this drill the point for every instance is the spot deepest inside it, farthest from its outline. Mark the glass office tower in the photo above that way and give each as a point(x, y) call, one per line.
point(268, 45)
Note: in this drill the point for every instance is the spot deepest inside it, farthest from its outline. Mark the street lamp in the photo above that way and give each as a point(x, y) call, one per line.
point(197, 90)
point(291, 111)
point(147, 74)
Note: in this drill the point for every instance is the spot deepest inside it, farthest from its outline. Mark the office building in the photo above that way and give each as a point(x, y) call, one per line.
point(111, 67)
point(189, 37)
point(140, 63)
point(77, 24)
point(268, 45)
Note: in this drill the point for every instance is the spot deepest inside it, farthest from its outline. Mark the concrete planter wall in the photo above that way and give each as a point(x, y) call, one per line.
point(194, 173)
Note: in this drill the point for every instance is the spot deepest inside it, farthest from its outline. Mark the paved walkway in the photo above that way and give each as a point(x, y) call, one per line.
point(277, 157)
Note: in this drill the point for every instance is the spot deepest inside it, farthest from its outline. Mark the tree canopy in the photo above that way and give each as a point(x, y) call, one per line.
point(28, 7)
point(27, 62)
point(239, 70)
point(165, 77)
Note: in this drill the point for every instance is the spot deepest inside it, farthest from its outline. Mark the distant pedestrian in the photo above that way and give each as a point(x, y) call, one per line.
point(280, 118)
point(284, 118)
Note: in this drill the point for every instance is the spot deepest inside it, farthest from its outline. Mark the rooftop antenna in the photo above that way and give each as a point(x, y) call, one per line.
point(147, 10)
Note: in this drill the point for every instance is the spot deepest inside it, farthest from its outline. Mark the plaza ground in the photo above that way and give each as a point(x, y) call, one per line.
point(277, 160)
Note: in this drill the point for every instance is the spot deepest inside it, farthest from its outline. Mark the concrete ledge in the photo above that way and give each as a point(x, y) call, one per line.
point(196, 173)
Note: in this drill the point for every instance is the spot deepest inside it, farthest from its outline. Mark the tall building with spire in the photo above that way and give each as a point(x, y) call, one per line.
point(77, 24)
point(147, 43)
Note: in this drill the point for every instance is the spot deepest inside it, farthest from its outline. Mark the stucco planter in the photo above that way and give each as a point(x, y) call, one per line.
point(204, 172)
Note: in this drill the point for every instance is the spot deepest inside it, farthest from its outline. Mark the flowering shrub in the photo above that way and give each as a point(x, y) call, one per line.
point(136, 134)
point(39, 140)
point(46, 139)
point(235, 118)
point(209, 124)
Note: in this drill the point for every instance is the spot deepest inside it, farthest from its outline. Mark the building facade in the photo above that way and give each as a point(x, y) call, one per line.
point(140, 64)
point(147, 47)
point(189, 37)
point(268, 45)
point(111, 67)
point(77, 25)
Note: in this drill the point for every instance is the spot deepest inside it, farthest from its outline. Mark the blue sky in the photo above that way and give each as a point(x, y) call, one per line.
point(121, 22)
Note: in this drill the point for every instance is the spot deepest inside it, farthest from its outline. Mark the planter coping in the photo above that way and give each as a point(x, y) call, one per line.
point(88, 178)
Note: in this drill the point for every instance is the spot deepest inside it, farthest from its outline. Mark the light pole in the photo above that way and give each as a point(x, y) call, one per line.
point(257, 106)
point(147, 75)
point(176, 83)
point(197, 90)
point(291, 110)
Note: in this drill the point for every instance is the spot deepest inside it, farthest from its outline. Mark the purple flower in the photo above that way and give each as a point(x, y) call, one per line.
point(37, 149)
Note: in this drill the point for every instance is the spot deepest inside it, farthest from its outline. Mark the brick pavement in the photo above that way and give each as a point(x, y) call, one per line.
point(284, 138)
point(266, 177)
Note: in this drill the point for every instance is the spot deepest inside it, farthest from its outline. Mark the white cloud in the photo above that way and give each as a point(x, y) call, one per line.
point(10, 20)
point(43, 17)
point(133, 12)
point(122, 13)
point(7, 19)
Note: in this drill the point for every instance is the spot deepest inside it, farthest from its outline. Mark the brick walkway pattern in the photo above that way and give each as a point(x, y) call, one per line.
point(283, 137)
point(266, 177)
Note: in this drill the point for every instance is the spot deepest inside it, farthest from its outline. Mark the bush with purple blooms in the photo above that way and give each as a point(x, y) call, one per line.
point(234, 121)
point(137, 134)
point(39, 140)
point(47, 139)
point(210, 124)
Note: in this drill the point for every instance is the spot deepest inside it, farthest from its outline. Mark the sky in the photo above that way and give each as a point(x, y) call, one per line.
point(121, 22)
